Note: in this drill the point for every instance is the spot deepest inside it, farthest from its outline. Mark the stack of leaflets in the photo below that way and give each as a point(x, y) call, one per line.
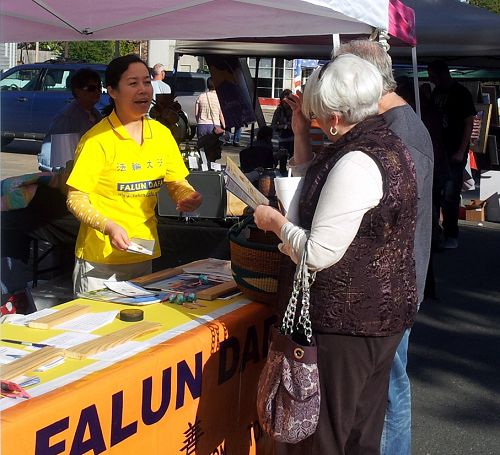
point(211, 267)
point(141, 246)
point(124, 292)
point(237, 183)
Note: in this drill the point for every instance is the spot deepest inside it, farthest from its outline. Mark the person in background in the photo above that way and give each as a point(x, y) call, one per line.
point(457, 108)
point(209, 117)
point(234, 138)
point(433, 121)
point(357, 215)
point(211, 144)
point(402, 120)
point(157, 81)
point(282, 126)
point(78, 116)
point(120, 165)
point(260, 154)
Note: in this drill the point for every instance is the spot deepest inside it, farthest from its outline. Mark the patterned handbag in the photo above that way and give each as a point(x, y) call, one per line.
point(288, 395)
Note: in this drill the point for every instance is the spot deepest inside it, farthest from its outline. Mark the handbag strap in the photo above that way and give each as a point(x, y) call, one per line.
point(302, 281)
point(210, 108)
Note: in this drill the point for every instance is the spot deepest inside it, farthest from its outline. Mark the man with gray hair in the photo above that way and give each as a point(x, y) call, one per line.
point(159, 86)
point(402, 120)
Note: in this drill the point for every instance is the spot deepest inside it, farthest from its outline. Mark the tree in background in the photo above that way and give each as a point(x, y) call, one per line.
point(99, 51)
point(86, 51)
point(55, 48)
point(492, 5)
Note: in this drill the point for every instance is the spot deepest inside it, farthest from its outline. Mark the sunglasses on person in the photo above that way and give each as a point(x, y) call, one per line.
point(92, 88)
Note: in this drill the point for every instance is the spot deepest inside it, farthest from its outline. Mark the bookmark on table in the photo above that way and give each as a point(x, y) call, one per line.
point(127, 288)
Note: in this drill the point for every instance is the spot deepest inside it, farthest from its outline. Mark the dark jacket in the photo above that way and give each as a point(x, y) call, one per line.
point(371, 290)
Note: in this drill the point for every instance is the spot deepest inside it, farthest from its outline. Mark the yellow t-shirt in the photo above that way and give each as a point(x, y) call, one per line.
point(122, 178)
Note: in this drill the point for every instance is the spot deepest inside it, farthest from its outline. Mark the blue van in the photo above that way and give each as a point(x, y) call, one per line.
point(32, 95)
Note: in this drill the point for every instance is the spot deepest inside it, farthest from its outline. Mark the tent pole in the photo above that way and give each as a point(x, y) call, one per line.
point(255, 99)
point(335, 45)
point(174, 72)
point(415, 80)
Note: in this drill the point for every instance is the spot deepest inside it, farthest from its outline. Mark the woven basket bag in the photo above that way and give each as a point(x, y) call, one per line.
point(255, 261)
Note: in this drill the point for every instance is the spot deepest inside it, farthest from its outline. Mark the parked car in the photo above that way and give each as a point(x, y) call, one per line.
point(187, 87)
point(31, 96)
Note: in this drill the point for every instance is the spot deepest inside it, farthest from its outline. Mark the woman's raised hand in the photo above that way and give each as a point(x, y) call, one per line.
point(300, 121)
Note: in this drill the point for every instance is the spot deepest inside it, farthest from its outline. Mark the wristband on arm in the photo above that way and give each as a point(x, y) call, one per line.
point(179, 190)
point(79, 204)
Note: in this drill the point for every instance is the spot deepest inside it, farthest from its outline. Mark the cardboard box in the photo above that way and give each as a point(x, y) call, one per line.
point(475, 211)
point(475, 214)
point(490, 190)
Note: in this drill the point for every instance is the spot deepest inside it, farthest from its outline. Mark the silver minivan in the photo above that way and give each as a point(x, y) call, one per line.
point(187, 87)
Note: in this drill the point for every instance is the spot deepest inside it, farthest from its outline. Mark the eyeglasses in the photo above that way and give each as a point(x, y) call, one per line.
point(312, 115)
point(323, 69)
point(92, 88)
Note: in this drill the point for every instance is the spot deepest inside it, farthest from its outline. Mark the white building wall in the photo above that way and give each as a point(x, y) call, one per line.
point(162, 51)
point(8, 57)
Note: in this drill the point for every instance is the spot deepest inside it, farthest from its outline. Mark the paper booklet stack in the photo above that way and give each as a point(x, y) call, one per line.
point(237, 183)
point(124, 292)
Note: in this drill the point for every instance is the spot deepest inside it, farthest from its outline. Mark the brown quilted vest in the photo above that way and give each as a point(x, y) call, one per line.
point(371, 291)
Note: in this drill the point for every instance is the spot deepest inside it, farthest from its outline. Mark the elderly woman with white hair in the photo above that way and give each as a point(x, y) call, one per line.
point(357, 215)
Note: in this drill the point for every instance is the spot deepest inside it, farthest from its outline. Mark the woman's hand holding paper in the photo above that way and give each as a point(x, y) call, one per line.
point(269, 219)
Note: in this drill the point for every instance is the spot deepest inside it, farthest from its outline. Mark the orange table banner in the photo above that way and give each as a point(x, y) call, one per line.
point(193, 393)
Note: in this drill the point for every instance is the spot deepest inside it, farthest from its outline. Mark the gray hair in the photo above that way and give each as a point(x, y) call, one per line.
point(157, 69)
point(347, 86)
point(374, 53)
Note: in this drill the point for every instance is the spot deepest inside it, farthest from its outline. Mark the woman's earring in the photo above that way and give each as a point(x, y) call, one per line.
point(333, 131)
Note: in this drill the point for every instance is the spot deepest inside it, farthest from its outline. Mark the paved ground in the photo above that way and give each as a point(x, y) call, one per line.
point(19, 157)
point(454, 357)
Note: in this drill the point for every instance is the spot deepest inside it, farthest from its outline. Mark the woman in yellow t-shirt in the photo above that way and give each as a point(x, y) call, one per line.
point(120, 165)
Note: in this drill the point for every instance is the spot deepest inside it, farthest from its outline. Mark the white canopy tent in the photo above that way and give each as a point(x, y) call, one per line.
point(36, 20)
point(456, 31)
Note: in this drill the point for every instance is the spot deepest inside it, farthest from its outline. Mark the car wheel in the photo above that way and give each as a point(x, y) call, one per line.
point(6, 140)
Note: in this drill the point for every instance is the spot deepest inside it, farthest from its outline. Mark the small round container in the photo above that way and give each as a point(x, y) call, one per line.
point(131, 315)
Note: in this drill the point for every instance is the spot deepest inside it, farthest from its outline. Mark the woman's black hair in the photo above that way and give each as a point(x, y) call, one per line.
point(210, 84)
point(113, 74)
point(285, 93)
point(118, 66)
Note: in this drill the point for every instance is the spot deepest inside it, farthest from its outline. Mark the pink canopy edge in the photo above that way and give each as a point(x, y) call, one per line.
point(402, 22)
point(27, 20)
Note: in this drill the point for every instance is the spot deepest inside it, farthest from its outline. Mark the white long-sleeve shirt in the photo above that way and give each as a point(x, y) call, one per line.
point(353, 186)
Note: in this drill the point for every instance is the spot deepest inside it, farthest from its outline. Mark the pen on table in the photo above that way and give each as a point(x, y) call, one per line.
point(25, 343)
point(33, 380)
point(156, 289)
